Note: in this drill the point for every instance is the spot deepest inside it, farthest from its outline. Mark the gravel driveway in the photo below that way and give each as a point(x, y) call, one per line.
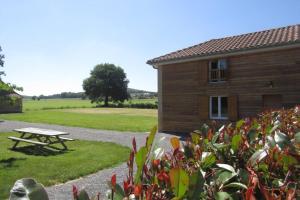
point(96, 182)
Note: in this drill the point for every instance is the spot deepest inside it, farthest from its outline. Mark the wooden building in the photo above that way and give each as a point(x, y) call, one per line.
point(11, 103)
point(228, 78)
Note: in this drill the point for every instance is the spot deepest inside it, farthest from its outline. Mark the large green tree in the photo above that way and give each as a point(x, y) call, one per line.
point(1, 62)
point(6, 88)
point(106, 82)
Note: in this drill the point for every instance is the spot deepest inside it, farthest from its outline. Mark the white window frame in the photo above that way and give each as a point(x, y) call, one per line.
point(219, 68)
point(219, 108)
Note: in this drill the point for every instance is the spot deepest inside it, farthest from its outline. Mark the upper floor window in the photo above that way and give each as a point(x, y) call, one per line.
point(217, 70)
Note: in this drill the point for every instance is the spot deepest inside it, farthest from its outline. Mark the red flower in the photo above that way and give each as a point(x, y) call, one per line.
point(155, 163)
point(134, 144)
point(126, 185)
point(114, 181)
point(163, 176)
point(137, 190)
point(149, 193)
point(75, 192)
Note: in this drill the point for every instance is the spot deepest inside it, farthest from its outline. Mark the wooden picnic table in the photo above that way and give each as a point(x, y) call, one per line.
point(40, 137)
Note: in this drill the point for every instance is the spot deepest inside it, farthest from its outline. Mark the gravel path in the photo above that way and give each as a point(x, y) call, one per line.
point(96, 182)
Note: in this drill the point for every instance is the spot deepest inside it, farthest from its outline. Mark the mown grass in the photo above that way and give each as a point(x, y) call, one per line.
point(119, 119)
point(46, 104)
point(83, 158)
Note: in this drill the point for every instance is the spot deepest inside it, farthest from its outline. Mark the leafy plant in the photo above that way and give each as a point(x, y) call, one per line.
point(254, 159)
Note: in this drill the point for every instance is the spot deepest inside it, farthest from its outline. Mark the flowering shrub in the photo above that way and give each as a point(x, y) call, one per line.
point(254, 159)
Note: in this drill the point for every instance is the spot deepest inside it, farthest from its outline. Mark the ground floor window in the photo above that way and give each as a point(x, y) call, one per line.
point(218, 107)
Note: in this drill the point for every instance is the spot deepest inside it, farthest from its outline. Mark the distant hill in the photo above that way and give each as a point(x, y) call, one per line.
point(141, 94)
point(134, 93)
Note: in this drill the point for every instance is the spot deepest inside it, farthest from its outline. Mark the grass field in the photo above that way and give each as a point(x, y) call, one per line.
point(81, 113)
point(120, 119)
point(83, 158)
point(45, 104)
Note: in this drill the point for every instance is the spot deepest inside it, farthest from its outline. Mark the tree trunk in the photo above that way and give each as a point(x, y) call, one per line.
point(106, 101)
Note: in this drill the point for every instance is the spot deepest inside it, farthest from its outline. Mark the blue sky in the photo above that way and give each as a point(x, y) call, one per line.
point(52, 45)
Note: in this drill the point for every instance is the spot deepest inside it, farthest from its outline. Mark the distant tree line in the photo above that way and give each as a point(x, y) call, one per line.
point(141, 94)
point(63, 95)
point(134, 94)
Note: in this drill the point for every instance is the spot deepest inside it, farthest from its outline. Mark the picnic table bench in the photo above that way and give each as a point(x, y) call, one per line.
point(40, 137)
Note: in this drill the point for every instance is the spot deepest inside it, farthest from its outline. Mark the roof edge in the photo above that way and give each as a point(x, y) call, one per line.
point(225, 54)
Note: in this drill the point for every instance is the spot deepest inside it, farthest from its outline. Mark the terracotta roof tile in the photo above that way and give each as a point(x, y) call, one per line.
point(261, 39)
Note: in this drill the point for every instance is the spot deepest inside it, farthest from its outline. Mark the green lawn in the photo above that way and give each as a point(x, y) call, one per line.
point(42, 104)
point(120, 119)
point(83, 158)
point(45, 104)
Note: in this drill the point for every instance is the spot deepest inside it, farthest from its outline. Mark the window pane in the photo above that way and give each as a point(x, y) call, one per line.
point(222, 64)
point(214, 71)
point(214, 64)
point(214, 106)
point(224, 107)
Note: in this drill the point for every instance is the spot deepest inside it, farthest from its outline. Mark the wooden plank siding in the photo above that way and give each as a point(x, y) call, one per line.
point(185, 86)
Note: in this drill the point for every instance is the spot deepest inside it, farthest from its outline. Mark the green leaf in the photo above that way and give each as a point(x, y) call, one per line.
point(288, 161)
point(240, 123)
point(83, 195)
point(281, 139)
point(297, 137)
point(224, 176)
point(269, 128)
point(220, 146)
point(195, 138)
point(255, 125)
point(208, 161)
point(140, 159)
point(141, 156)
point(251, 135)
point(257, 157)
point(273, 128)
point(204, 129)
point(188, 152)
point(223, 196)
point(119, 194)
point(263, 167)
point(271, 141)
point(235, 143)
point(227, 167)
point(215, 137)
point(179, 182)
point(243, 175)
point(151, 138)
point(236, 185)
point(196, 185)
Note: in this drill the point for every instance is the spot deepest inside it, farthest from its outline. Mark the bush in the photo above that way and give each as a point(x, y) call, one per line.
point(143, 105)
point(131, 105)
point(253, 159)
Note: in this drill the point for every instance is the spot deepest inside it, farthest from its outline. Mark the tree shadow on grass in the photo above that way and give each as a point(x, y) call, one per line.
point(10, 162)
point(40, 151)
